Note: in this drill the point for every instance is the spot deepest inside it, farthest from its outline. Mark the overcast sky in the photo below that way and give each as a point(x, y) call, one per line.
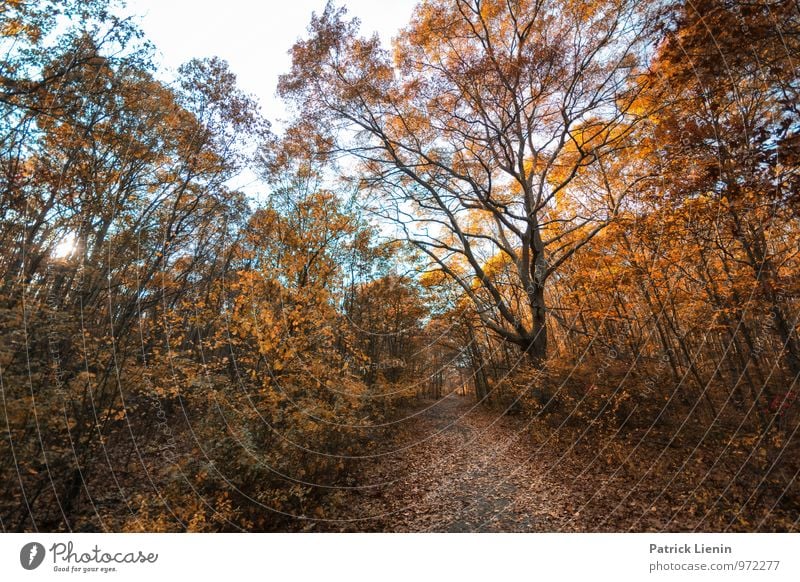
point(252, 36)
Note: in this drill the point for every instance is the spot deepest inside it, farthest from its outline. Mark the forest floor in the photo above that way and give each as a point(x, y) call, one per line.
point(454, 466)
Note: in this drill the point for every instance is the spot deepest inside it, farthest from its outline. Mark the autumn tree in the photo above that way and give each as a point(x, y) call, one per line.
point(728, 131)
point(388, 316)
point(114, 209)
point(475, 130)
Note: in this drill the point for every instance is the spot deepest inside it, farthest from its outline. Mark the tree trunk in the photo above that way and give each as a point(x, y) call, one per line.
point(534, 344)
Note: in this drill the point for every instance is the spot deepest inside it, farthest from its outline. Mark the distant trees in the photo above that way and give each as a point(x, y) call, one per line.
point(728, 78)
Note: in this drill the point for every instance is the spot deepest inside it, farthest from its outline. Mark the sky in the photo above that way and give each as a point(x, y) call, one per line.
point(253, 36)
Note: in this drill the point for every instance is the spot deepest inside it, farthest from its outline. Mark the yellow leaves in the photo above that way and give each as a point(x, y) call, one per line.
point(411, 123)
point(15, 21)
point(433, 278)
point(491, 9)
point(12, 27)
point(429, 19)
point(496, 264)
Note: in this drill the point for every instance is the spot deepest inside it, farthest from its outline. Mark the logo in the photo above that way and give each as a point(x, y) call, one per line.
point(31, 555)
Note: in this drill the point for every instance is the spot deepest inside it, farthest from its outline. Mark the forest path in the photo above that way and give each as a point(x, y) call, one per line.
point(458, 467)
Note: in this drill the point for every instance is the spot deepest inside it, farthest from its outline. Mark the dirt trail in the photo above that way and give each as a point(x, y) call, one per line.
point(452, 466)
point(458, 468)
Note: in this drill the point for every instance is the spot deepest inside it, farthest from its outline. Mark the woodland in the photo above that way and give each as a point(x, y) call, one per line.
point(533, 266)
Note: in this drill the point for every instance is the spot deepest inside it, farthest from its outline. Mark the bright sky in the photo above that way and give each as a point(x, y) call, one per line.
point(253, 36)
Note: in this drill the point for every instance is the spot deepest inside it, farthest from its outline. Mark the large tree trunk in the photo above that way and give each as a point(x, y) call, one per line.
point(534, 343)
